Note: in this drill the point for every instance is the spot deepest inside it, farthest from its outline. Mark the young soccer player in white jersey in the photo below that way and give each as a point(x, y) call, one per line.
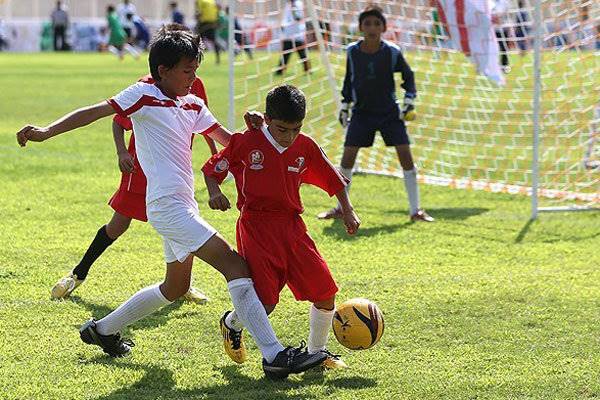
point(128, 202)
point(369, 86)
point(164, 117)
point(269, 165)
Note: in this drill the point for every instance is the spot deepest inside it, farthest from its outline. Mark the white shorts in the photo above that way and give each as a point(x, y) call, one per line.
point(176, 219)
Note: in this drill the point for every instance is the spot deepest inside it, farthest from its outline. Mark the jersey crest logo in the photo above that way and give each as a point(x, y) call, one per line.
point(222, 166)
point(298, 165)
point(256, 159)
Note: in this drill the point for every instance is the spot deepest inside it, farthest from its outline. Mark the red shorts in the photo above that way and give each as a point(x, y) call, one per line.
point(130, 199)
point(279, 251)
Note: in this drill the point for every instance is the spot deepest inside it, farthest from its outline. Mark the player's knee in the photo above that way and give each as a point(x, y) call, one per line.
point(234, 266)
point(269, 308)
point(327, 304)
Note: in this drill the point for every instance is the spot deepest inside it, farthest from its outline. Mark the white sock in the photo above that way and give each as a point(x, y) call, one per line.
point(252, 313)
point(412, 190)
point(141, 304)
point(347, 172)
point(233, 321)
point(131, 50)
point(320, 321)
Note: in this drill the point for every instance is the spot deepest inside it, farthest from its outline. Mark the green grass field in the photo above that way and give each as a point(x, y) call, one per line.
point(479, 305)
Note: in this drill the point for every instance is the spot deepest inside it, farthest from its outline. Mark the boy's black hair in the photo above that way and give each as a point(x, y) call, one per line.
point(169, 46)
point(110, 8)
point(286, 103)
point(371, 11)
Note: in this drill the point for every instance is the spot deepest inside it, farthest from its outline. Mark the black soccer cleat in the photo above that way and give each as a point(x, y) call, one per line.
point(113, 345)
point(292, 360)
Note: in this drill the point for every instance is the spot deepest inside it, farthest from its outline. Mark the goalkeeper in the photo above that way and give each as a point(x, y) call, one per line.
point(370, 89)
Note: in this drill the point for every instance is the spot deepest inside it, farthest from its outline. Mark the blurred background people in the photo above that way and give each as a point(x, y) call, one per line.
point(60, 22)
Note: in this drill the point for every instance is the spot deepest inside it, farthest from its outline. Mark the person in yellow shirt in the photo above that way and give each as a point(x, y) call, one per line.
point(207, 17)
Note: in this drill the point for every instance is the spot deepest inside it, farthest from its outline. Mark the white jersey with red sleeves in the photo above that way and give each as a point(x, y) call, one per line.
point(163, 128)
point(268, 176)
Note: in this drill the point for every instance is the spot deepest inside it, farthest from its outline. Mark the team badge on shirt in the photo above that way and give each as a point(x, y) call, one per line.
point(298, 165)
point(256, 159)
point(222, 166)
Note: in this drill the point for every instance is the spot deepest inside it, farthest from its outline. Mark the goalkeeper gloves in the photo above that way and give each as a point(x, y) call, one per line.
point(407, 109)
point(344, 116)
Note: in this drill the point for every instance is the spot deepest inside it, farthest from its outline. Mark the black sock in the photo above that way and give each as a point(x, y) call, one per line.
point(97, 247)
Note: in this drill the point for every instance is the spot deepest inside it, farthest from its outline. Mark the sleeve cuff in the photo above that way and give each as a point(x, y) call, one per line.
point(117, 107)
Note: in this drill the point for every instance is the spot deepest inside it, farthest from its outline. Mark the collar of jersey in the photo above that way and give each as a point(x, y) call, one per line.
point(272, 140)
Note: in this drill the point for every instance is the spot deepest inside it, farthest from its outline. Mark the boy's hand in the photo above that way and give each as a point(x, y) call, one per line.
point(253, 119)
point(351, 221)
point(125, 162)
point(344, 116)
point(407, 109)
point(219, 201)
point(32, 133)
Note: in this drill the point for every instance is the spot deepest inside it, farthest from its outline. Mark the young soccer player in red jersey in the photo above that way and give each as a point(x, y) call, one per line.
point(128, 202)
point(269, 165)
point(164, 117)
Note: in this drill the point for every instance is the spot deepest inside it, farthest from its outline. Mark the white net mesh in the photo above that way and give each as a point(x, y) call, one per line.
point(470, 132)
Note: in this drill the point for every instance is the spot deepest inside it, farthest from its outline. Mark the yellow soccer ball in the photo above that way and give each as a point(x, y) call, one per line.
point(358, 324)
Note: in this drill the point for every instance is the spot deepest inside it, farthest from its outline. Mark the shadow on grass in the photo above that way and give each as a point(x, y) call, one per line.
point(338, 229)
point(523, 231)
point(455, 213)
point(554, 235)
point(159, 383)
point(153, 320)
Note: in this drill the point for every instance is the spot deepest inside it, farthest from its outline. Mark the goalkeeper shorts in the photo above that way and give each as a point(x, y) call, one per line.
point(362, 128)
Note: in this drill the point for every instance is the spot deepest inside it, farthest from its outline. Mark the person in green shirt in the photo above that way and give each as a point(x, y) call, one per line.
point(117, 41)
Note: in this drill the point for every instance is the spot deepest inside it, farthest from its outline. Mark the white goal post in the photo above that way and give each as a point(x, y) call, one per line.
point(534, 134)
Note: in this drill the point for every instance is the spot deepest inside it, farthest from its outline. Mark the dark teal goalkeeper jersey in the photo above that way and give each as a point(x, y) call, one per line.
point(369, 81)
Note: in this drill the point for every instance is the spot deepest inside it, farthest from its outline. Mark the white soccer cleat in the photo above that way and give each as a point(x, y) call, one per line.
point(195, 296)
point(65, 286)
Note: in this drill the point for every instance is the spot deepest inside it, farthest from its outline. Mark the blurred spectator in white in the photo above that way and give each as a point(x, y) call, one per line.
point(102, 39)
point(60, 23)
point(293, 35)
point(126, 7)
point(3, 37)
point(177, 16)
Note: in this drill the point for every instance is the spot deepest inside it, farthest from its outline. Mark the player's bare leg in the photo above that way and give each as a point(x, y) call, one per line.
point(346, 167)
point(410, 183)
point(321, 316)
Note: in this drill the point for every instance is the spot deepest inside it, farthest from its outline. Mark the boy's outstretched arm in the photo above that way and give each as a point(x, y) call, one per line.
point(216, 199)
point(73, 120)
point(253, 120)
point(350, 218)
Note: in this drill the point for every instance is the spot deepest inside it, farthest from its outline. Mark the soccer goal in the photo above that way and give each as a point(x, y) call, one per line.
point(529, 126)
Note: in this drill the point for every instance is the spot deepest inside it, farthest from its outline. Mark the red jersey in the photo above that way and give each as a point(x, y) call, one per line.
point(268, 176)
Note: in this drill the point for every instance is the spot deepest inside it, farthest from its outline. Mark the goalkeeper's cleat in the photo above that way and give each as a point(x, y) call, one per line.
point(65, 286)
point(421, 215)
point(193, 295)
point(233, 342)
point(292, 360)
point(113, 345)
point(334, 213)
point(333, 361)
